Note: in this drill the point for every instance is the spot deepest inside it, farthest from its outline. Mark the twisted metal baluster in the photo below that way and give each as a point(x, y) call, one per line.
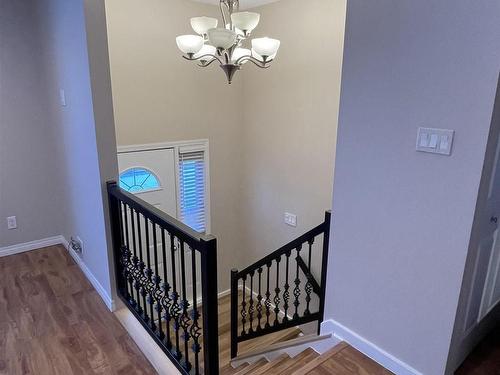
point(185, 320)
point(259, 300)
point(134, 301)
point(308, 287)
point(175, 309)
point(277, 291)
point(157, 293)
point(251, 307)
point(195, 316)
point(166, 301)
point(286, 292)
point(142, 307)
point(149, 276)
point(243, 306)
point(296, 290)
point(267, 302)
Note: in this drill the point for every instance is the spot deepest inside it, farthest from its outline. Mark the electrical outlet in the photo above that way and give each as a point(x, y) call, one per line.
point(11, 222)
point(290, 219)
point(77, 245)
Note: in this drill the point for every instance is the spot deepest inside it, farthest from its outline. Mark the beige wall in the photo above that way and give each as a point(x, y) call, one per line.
point(265, 131)
point(290, 122)
point(160, 97)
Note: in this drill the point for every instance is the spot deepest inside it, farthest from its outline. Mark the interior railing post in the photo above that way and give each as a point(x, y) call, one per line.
point(234, 313)
point(324, 268)
point(210, 306)
point(114, 216)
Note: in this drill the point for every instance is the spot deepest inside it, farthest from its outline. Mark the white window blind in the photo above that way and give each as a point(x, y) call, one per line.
point(192, 189)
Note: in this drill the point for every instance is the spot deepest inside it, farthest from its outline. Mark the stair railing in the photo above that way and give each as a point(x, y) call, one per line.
point(165, 277)
point(281, 290)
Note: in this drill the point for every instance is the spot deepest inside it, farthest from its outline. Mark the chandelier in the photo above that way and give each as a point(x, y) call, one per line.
point(226, 45)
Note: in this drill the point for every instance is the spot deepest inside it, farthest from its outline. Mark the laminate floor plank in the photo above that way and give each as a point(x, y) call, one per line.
point(52, 321)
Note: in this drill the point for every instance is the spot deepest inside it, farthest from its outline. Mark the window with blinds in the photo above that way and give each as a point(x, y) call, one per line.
point(192, 189)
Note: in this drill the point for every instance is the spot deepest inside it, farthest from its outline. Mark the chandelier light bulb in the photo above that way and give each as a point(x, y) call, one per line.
point(202, 24)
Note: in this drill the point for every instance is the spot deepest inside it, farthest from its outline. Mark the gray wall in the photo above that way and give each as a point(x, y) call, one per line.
point(64, 38)
point(30, 179)
point(402, 220)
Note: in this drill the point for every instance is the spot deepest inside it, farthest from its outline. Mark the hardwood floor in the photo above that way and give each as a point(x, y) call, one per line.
point(485, 359)
point(52, 321)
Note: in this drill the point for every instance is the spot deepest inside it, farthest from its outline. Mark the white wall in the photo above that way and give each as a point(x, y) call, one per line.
point(401, 219)
point(30, 179)
point(86, 162)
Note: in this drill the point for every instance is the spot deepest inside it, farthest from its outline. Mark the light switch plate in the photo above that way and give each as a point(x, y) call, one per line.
point(436, 141)
point(11, 222)
point(290, 219)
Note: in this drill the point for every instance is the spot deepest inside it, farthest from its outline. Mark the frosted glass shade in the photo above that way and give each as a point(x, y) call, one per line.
point(239, 53)
point(265, 46)
point(206, 50)
point(221, 38)
point(190, 43)
point(246, 21)
point(260, 58)
point(202, 24)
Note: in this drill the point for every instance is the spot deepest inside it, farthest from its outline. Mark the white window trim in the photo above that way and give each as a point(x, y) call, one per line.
point(194, 145)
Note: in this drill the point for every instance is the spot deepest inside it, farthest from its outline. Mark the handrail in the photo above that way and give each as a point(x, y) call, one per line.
point(267, 287)
point(156, 271)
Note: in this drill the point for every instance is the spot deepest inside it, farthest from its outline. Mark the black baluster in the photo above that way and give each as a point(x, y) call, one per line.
point(308, 287)
point(259, 300)
point(286, 292)
point(185, 320)
point(296, 290)
point(174, 309)
point(125, 249)
point(251, 307)
point(267, 302)
point(195, 316)
point(157, 293)
point(166, 301)
point(142, 266)
point(148, 273)
point(243, 306)
point(133, 274)
point(277, 293)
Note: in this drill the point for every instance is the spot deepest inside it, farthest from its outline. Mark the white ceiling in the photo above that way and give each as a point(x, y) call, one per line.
point(244, 4)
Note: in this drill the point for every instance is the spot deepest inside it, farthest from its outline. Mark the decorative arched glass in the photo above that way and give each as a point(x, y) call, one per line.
point(139, 180)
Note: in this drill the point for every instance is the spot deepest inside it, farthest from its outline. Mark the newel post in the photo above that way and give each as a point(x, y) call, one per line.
point(324, 267)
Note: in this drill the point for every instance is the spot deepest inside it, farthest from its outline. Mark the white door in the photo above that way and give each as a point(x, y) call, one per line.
point(151, 176)
point(485, 291)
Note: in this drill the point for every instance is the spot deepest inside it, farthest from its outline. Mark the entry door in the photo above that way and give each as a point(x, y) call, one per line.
point(151, 176)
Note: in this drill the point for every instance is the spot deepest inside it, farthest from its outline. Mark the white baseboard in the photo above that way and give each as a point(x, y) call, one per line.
point(368, 348)
point(110, 302)
point(146, 344)
point(29, 246)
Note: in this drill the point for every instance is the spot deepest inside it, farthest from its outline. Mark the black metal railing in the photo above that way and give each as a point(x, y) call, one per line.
point(166, 275)
point(281, 291)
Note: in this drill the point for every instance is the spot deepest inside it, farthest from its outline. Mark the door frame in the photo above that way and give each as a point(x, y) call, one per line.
point(202, 144)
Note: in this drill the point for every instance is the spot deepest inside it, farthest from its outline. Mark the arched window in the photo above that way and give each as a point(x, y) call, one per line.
point(139, 180)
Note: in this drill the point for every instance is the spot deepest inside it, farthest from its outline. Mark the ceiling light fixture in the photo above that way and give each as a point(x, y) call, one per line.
point(226, 44)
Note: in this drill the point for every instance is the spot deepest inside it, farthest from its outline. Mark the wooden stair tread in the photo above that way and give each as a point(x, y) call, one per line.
point(273, 364)
point(320, 359)
point(250, 369)
point(299, 361)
